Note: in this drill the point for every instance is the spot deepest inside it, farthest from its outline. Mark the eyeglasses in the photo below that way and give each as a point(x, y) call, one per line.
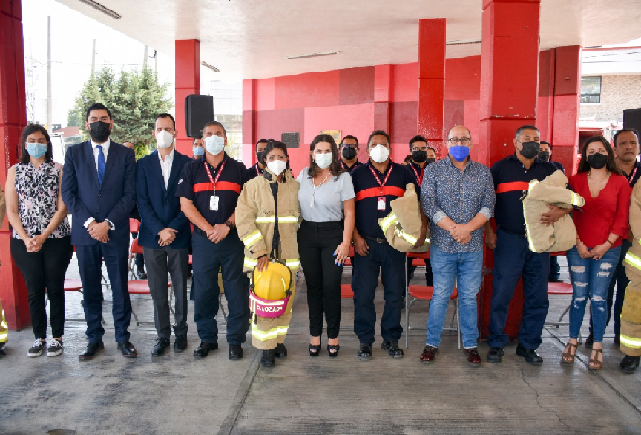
point(461, 140)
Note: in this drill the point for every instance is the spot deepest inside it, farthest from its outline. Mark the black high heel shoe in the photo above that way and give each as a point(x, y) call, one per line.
point(332, 349)
point(314, 349)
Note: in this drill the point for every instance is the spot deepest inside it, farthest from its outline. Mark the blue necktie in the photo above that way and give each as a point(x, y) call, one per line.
point(101, 164)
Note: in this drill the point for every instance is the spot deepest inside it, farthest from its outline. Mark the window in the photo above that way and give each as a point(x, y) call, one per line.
point(591, 89)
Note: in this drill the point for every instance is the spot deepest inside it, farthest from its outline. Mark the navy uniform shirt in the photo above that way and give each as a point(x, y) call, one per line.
point(510, 180)
point(417, 171)
point(254, 171)
point(194, 184)
point(368, 191)
point(634, 175)
point(347, 168)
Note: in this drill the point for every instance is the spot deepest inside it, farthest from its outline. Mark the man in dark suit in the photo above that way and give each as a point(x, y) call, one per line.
point(99, 189)
point(164, 233)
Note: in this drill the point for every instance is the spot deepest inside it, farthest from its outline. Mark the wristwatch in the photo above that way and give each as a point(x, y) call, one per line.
point(229, 225)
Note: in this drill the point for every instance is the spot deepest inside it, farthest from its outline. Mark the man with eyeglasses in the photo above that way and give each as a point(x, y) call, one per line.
point(349, 153)
point(457, 195)
point(512, 257)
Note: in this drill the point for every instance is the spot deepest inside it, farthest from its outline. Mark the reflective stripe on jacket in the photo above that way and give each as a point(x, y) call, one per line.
point(402, 226)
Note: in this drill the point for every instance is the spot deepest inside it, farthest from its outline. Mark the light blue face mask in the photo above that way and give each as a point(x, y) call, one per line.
point(199, 151)
point(215, 144)
point(36, 150)
point(459, 153)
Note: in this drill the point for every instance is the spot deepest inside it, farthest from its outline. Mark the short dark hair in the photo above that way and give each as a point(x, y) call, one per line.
point(623, 130)
point(97, 106)
point(165, 115)
point(262, 141)
point(349, 136)
point(547, 143)
point(433, 149)
point(197, 137)
point(334, 167)
point(611, 165)
point(271, 145)
point(417, 138)
point(29, 129)
point(215, 123)
point(522, 128)
point(379, 133)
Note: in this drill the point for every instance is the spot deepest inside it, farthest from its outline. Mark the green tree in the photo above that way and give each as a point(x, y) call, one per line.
point(134, 98)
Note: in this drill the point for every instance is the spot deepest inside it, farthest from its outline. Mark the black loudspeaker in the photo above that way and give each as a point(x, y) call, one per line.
point(632, 119)
point(199, 110)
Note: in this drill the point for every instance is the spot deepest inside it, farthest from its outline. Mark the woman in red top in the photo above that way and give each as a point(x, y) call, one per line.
point(601, 225)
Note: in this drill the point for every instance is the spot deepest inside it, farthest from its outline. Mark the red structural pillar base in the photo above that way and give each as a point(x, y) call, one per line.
point(509, 92)
point(431, 81)
point(187, 82)
point(13, 118)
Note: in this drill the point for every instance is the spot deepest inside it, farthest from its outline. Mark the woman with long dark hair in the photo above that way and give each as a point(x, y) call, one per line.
point(601, 226)
point(41, 242)
point(326, 199)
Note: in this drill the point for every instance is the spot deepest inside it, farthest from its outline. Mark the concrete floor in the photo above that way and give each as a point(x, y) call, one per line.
point(176, 394)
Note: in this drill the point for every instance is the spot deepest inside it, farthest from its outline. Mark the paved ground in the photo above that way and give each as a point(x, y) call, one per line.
point(176, 394)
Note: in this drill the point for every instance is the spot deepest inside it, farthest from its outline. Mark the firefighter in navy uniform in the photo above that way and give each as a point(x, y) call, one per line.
point(208, 189)
point(349, 153)
point(257, 169)
point(376, 184)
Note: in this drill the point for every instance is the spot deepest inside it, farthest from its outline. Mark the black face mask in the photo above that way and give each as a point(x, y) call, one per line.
point(530, 149)
point(419, 156)
point(430, 160)
point(349, 153)
point(597, 161)
point(99, 131)
point(544, 155)
point(260, 157)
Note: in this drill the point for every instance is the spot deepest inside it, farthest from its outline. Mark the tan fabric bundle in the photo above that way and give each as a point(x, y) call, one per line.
point(561, 235)
point(402, 227)
point(631, 312)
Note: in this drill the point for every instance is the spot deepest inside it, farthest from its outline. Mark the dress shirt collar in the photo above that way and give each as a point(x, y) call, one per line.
point(168, 158)
point(105, 146)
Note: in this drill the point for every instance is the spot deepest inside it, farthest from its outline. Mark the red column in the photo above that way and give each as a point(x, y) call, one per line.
point(249, 121)
point(187, 82)
point(382, 97)
point(13, 118)
point(509, 92)
point(431, 81)
point(565, 119)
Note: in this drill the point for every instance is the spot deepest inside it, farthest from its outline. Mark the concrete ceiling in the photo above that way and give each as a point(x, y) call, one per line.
point(253, 38)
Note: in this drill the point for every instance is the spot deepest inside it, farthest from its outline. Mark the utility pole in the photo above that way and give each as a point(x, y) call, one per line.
point(144, 62)
point(93, 59)
point(49, 125)
point(156, 62)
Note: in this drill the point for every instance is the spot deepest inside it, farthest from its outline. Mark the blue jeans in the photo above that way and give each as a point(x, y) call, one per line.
point(466, 268)
point(591, 278)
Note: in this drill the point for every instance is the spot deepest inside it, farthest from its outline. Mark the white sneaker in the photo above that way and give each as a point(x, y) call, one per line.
point(55, 348)
point(37, 348)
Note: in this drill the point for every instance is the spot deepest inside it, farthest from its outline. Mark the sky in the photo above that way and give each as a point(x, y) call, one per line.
point(72, 35)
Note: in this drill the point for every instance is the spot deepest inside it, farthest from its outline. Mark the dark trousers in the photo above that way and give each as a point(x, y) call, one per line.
point(429, 276)
point(90, 265)
point(621, 281)
point(317, 242)
point(160, 262)
point(44, 271)
point(513, 260)
point(139, 259)
point(364, 283)
point(555, 269)
point(208, 258)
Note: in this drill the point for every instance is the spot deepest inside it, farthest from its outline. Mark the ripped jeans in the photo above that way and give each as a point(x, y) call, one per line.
point(591, 278)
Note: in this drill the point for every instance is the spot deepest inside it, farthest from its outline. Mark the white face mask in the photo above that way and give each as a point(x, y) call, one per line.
point(379, 153)
point(277, 166)
point(164, 139)
point(323, 160)
point(214, 144)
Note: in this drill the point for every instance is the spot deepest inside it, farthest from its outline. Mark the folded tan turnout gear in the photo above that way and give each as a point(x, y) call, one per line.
point(631, 312)
point(635, 211)
point(402, 226)
point(561, 235)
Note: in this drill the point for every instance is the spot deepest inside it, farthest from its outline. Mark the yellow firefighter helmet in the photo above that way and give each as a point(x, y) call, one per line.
point(273, 282)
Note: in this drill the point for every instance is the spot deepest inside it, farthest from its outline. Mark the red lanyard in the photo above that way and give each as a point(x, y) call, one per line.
point(220, 171)
point(631, 177)
point(345, 168)
point(386, 177)
point(419, 179)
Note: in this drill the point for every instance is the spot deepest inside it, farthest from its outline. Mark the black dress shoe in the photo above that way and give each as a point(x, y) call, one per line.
point(235, 352)
point(629, 364)
point(280, 351)
point(365, 351)
point(141, 275)
point(128, 350)
point(180, 343)
point(159, 348)
point(203, 349)
point(589, 341)
point(269, 358)
point(531, 356)
point(392, 348)
point(91, 350)
point(495, 355)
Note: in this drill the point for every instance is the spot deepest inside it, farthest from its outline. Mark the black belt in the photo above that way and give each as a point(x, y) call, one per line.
point(375, 239)
point(324, 225)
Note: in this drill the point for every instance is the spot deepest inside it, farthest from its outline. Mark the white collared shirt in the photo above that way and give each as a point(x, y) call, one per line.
point(165, 166)
point(105, 150)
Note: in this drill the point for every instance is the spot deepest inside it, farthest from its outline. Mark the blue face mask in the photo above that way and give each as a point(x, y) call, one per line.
point(459, 153)
point(36, 150)
point(199, 151)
